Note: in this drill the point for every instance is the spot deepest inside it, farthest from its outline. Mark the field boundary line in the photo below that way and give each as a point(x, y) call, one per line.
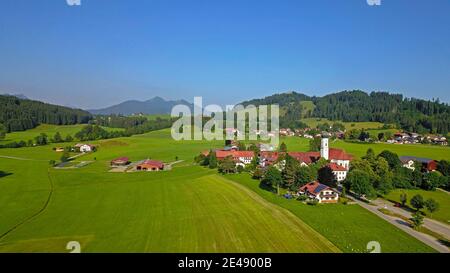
point(39, 212)
point(21, 158)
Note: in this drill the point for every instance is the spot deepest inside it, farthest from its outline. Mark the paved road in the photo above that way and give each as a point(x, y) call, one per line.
point(431, 224)
point(427, 239)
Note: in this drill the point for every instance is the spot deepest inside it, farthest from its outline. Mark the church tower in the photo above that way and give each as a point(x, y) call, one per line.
point(324, 151)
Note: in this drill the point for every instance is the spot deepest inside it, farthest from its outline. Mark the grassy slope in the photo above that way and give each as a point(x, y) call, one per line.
point(313, 122)
point(188, 209)
point(349, 227)
point(443, 198)
point(94, 206)
point(48, 129)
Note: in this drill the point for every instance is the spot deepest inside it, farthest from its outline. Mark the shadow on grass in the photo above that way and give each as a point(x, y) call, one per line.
point(401, 222)
point(445, 242)
point(267, 188)
point(3, 174)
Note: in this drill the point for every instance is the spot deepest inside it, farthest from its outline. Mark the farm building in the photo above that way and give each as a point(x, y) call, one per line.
point(59, 149)
point(427, 164)
point(320, 192)
point(121, 161)
point(84, 148)
point(150, 166)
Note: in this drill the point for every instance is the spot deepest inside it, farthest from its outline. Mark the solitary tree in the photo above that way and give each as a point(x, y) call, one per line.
point(326, 177)
point(227, 165)
point(283, 147)
point(314, 144)
point(57, 138)
point(69, 138)
point(359, 182)
point(417, 202)
point(417, 220)
point(212, 160)
point(403, 199)
point(65, 157)
point(392, 159)
point(431, 205)
point(273, 178)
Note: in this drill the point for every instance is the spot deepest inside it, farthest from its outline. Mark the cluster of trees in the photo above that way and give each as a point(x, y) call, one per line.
point(419, 203)
point(118, 121)
point(95, 131)
point(378, 174)
point(133, 125)
point(414, 115)
point(286, 173)
point(20, 114)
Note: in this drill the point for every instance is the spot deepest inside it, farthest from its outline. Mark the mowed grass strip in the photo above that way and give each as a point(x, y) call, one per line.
point(186, 210)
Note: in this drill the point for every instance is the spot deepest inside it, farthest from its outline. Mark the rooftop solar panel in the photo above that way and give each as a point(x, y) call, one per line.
point(320, 188)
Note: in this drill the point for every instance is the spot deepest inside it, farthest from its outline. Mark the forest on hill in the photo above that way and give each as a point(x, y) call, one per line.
point(22, 114)
point(409, 114)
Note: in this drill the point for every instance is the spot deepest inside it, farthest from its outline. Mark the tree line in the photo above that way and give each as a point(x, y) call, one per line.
point(410, 114)
point(22, 114)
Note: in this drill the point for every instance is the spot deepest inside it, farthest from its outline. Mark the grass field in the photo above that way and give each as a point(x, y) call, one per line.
point(360, 149)
point(48, 129)
point(189, 209)
point(313, 122)
point(443, 198)
point(349, 227)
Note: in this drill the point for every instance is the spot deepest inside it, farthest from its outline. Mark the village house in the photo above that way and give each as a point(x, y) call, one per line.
point(84, 148)
point(339, 159)
point(59, 149)
point(339, 171)
point(121, 161)
point(319, 192)
point(150, 166)
point(428, 165)
point(241, 158)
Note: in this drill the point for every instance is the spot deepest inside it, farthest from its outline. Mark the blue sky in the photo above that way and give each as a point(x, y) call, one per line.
point(107, 51)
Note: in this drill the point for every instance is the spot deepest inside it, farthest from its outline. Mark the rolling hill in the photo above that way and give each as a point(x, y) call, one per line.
point(410, 114)
point(156, 105)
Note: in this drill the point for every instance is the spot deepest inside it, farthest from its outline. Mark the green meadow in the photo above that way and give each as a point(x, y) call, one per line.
point(443, 198)
point(188, 209)
point(48, 129)
point(350, 227)
point(313, 122)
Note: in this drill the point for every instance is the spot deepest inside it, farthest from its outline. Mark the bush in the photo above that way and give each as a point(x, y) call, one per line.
point(302, 198)
point(312, 202)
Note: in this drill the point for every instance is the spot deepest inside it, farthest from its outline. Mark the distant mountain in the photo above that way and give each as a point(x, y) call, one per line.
point(157, 105)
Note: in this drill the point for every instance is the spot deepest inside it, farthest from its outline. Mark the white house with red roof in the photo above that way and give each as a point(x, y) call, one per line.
point(322, 193)
point(339, 171)
point(240, 157)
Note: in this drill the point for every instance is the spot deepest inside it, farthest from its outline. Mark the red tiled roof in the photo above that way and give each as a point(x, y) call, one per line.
point(336, 168)
point(234, 154)
point(306, 157)
point(124, 159)
point(153, 163)
point(338, 154)
point(314, 188)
